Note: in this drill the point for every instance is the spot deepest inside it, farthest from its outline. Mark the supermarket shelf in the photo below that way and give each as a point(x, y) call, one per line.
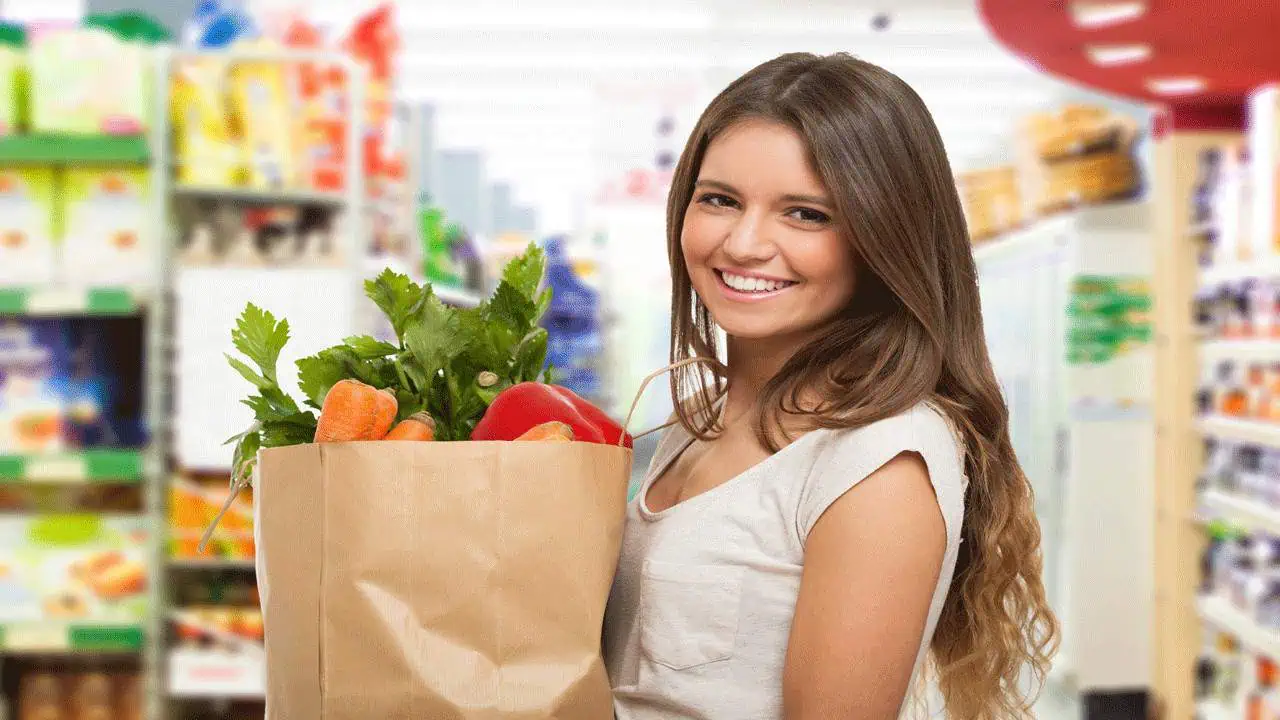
point(69, 301)
point(1257, 432)
point(74, 150)
point(1223, 273)
point(1222, 615)
point(86, 466)
point(1254, 515)
point(216, 675)
point(52, 637)
point(263, 195)
point(1217, 711)
point(1244, 349)
point(211, 564)
point(457, 296)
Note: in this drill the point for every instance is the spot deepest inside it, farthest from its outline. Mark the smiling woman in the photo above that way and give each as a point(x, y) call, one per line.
point(839, 509)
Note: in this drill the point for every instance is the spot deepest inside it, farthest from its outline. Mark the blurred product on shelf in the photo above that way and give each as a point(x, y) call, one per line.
point(79, 695)
point(229, 234)
point(1239, 310)
point(264, 116)
point(70, 383)
point(13, 76)
point(204, 150)
point(1242, 471)
point(1080, 155)
point(89, 81)
point(83, 226)
point(81, 568)
point(574, 343)
point(450, 258)
point(193, 503)
point(1108, 316)
point(27, 234)
point(992, 202)
point(1240, 389)
point(104, 238)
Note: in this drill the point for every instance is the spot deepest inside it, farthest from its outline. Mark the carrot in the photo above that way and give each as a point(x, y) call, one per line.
point(418, 426)
point(353, 410)
point(554, 431)
point(384, 414)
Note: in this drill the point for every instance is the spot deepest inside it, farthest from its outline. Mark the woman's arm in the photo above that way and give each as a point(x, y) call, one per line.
point(871, 563)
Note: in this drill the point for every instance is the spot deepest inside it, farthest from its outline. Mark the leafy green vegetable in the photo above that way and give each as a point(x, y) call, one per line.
point(277, 419)
point(436, 366)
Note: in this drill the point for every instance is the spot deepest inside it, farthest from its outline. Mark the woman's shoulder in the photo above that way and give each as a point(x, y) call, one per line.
point(922, 427)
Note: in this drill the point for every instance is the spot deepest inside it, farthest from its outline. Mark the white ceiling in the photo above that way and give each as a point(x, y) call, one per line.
point(518, 79)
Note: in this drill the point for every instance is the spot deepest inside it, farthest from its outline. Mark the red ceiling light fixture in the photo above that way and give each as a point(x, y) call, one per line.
point(1216, 52)
point(1102, 13)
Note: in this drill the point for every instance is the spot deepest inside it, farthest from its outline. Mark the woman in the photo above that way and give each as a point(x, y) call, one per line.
point(839, 506)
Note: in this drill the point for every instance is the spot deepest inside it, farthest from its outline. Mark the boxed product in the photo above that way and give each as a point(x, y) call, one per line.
point(206, 154)
point(33, 358)
point(87, 81)
point(13, 65)
point(70, 383)
point(192, 507)
point(105, 240)
point(87, 568)
point(261, 105)
point(1081, 154)
point(27, 253)
point(992, 201)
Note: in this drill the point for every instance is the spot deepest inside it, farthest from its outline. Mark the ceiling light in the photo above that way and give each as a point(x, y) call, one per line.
point(1097, 14)
point(1176, 85)
point(1109, 55)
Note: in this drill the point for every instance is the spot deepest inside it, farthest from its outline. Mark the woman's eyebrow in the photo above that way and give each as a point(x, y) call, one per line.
point(800, 198)
point(717, 185)
point(812, 199)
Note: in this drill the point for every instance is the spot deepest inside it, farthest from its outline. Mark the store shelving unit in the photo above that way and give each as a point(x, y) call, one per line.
point(1242, 511)
point(1256, 432)
point(113, 466)
point(1082, 432)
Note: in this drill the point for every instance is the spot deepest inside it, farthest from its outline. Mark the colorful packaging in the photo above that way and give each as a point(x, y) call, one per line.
point(13, 62)
point(69, 568)
point(64, 384)
point(260, 102)
point(32, 368)
point(86, 81)
point(27, 253)
point(105, 238)
point(203, 145)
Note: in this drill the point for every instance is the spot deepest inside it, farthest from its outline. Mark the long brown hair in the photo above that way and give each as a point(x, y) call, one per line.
point(912, 333)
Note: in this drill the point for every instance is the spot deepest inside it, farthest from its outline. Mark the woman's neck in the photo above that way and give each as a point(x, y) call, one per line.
point(752, 364)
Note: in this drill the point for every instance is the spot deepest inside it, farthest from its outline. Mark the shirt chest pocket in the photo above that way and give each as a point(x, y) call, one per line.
point(689, 613)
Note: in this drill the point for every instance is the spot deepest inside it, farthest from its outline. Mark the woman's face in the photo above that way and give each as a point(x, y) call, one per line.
point(759, 237)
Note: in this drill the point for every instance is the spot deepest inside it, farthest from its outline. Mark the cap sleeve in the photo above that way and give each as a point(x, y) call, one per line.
point(851, 455)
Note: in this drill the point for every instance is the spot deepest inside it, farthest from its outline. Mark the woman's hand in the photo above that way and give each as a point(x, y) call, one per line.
point(871, 564)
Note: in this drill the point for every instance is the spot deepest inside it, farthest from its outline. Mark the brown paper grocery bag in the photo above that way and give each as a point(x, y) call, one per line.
point(437, 580)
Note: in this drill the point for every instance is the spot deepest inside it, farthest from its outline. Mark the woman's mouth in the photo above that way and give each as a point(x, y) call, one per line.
point(741, 287)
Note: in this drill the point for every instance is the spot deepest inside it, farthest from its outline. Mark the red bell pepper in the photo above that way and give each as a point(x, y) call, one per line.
point(526, 405)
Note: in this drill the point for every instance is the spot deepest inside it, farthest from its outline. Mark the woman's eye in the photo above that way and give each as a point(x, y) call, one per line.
point(718, 201)
point(809, 215)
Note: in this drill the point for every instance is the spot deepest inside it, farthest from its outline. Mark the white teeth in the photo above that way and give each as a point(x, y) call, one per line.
point(746, 284)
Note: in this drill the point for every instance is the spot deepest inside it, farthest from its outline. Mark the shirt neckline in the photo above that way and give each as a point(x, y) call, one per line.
point(660, 468)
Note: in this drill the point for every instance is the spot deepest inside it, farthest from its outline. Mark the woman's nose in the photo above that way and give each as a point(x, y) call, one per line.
point(748, 240)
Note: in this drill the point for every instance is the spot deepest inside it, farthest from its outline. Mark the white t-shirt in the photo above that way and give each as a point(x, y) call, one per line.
point(701, 609)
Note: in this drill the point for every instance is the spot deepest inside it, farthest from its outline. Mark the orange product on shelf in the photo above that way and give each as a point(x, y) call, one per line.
point(40, 697)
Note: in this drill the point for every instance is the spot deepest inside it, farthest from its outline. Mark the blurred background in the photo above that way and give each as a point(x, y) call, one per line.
point(162, 162)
